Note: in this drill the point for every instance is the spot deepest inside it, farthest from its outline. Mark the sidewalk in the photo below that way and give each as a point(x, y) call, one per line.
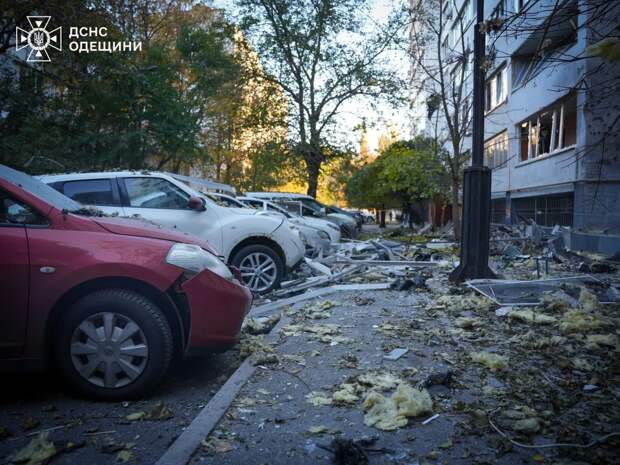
point(290, 406)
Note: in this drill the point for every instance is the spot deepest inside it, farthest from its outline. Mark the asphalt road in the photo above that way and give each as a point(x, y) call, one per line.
point(100, 430)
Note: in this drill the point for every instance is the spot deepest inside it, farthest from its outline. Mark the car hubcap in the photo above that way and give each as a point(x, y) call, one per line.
point(109, 350)
point(258, 271)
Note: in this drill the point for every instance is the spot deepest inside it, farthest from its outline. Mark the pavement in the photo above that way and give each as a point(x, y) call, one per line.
point(272, 422)
point(99, 431)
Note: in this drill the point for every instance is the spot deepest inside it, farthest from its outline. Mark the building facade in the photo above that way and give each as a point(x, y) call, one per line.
point(552, 130)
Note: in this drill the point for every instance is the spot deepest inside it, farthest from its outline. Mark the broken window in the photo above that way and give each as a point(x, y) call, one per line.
point(496, 90)
point(547, 210)
point(550, 130)
point(545, 45)
point(496, 151)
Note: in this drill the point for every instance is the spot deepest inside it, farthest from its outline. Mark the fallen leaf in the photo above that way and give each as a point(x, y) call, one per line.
point(136, 416)
point(38, 451)
point(124, 456)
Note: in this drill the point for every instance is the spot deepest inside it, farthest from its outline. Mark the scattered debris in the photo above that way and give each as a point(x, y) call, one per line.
point(492, 361)
point(438, 379)
point(530, 316)
point(318, 399)
point(396, 354)
point(390, 413)
point(260, 325)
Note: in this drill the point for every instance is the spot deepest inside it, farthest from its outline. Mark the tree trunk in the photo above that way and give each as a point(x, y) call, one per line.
point(456, 210)
point(382, 219)
point(314, 168)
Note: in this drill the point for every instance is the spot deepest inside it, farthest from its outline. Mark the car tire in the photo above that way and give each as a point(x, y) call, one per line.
point(133, 343)
point(256, 253)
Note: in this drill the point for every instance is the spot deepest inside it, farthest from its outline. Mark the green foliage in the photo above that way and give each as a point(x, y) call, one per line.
point(404, 172)
point(175, 104)
point(321, 54)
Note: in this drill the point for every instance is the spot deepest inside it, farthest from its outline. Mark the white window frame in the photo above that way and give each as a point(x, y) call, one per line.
point(499, 145)
point(557, 131)
point(495, 101)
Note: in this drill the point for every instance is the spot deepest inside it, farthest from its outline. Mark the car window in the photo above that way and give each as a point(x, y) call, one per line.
point(155, 193)
point(91, 191)
point(38, 188)
point(14, 212)
point(254, 204)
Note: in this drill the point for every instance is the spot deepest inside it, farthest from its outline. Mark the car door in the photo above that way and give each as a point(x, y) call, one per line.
point(162, 202)
point(14, 274)
point(102, 193)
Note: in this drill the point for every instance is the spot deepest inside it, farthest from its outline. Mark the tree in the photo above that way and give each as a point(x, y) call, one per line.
point(441, 70)
point(321, 55)
point(406, 172)
point(411, 172)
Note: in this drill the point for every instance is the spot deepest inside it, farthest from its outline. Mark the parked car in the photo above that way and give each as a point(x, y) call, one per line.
point(356, 216)
point(107, 301)
point(311, 208)
point(263, 248)
point(317, 237)
point(225, 200)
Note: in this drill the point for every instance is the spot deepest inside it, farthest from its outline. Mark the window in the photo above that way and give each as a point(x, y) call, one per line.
point(546, 45)
point(155, 193)
point(501, 10)
point(554, 128)
point(519, 4)
point(468, 12)
point(496, 89)
point(14, 212)
point(91, 192)
point(496, 151)
point(546, 210)
point(257, 204)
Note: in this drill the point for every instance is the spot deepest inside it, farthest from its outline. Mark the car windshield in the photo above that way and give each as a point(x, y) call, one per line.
point(42, 191)
point(311, 203)
point(223, 201)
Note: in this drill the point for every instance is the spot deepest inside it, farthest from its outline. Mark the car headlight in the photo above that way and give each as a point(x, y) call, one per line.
point(194, 259)
point(323, 234)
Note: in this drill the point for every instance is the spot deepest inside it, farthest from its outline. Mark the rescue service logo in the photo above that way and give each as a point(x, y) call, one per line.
point(38, 39)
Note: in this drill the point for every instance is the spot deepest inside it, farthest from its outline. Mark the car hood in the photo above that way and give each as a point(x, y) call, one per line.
point(141, 228)
point(341, 218)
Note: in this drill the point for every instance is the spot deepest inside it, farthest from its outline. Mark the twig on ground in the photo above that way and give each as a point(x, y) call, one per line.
point(541, 446)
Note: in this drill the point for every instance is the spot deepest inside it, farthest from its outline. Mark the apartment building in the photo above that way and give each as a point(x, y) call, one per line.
point(552, 130)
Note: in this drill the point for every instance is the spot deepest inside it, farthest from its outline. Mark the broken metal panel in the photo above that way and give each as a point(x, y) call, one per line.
point(385, 262)
point(268, 307)
point(528, 293)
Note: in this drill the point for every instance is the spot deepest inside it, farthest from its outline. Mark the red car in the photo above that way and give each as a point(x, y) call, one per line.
point(108, 301)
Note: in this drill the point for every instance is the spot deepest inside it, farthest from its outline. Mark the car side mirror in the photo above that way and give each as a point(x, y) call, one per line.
point(196, 203)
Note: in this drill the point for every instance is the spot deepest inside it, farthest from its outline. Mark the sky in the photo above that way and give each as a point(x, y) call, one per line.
point(380, 117)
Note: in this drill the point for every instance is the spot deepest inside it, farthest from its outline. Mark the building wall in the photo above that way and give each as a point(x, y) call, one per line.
point(587, 172)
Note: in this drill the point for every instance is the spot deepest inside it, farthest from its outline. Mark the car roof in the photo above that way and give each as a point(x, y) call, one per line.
point(47, 178)
point(275, 195)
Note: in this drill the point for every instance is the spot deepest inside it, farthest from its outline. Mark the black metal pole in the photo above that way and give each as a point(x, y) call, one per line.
point(476, 221)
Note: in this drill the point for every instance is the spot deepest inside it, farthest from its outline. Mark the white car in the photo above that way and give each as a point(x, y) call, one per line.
point(319, 234)
point(311, 208)
point(264, 248)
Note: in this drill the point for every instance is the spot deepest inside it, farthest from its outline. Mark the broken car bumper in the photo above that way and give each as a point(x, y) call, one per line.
point(218, 307)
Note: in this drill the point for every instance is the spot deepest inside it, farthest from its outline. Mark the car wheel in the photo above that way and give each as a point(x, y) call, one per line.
point(113, 344)
point(260, 266)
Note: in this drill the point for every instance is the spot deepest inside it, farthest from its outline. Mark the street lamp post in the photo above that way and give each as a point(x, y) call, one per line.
point(476, 178)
